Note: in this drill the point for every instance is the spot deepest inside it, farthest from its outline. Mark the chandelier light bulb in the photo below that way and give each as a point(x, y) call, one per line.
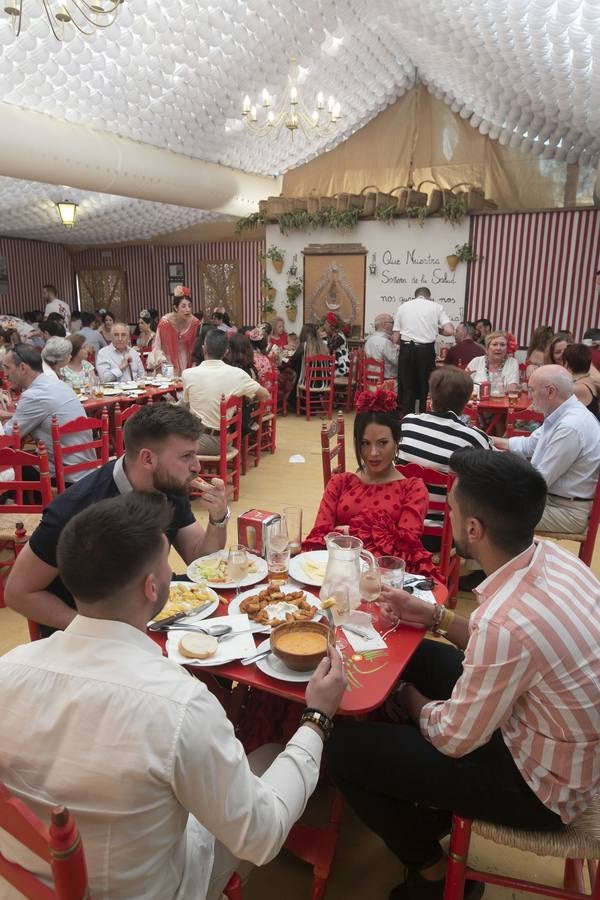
point(320, 100)
point(246, 106)
point(82, 15)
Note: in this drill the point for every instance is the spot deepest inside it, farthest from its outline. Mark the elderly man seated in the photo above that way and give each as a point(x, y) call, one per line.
point(118, 361)
point(565, 449)
point(466, 347)
point(381, 347)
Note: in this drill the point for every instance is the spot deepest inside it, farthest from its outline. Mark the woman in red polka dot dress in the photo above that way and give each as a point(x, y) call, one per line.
point(376, 503)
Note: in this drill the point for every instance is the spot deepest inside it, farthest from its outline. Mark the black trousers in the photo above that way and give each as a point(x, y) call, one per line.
point(405, 790)
point(415, 364)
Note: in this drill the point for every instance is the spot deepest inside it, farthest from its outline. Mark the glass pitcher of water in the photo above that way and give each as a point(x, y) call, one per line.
point(344, 555)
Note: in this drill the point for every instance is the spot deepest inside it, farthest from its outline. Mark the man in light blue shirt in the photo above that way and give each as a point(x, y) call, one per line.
point(119, 362)
point(41, 399)
point(91, 335)
point(565, 449)
point(381, 347)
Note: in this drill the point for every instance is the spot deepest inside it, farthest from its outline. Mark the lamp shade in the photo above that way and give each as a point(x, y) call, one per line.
point(67, 212)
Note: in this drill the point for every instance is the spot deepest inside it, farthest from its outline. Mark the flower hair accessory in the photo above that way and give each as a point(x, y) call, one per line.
point(331, 319)
point(182, 291)
point(512, 343)
point(379, 401)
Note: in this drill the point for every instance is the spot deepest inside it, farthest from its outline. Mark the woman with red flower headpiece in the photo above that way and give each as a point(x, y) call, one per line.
point(376, 503)
point(337, 343)
point(176, 333)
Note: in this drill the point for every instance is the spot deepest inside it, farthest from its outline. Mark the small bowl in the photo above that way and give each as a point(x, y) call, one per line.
point(299, 661)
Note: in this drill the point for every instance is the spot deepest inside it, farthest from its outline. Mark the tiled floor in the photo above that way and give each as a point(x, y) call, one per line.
point(364, 867)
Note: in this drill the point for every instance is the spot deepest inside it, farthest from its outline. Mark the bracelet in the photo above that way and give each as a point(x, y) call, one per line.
point(442, 619)
point(222, 523)
point(318, 718)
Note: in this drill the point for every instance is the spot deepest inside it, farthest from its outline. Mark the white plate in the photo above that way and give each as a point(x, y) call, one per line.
point(227, 651)
point(204, 613)
point(111, 391)
point(252, 578)
point(276, 668)
point(298, 572)
point(234, 605)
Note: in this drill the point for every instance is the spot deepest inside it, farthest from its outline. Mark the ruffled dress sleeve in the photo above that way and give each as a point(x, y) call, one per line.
point(327, 515)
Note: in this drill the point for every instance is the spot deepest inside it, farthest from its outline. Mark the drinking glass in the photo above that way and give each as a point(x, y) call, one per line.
point(341, 610)
point(391, 569)
point(278, 552)
point(237, 565)
point(292, 519)
point(369, 584)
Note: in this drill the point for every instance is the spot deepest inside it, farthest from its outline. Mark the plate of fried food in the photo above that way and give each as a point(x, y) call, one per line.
point(213, 570)
point(271, 604)
point(187, 600)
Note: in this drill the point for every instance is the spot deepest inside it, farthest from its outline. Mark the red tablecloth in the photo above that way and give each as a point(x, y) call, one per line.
point(498, 408)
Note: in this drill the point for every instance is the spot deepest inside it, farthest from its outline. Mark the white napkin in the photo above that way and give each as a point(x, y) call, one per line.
point(363, 620)
point(228, 650)
point(427, 596)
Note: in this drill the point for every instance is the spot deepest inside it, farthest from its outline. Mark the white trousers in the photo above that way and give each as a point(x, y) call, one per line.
point(568, 516)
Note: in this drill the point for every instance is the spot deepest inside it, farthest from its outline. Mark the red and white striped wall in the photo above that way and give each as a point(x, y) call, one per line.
point(31, 264)
point(536, 269)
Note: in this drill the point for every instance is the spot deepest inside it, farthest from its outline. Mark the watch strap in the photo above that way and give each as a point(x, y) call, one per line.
point(318, 718)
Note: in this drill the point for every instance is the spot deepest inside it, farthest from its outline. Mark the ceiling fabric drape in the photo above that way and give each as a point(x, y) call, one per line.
point(447, 149)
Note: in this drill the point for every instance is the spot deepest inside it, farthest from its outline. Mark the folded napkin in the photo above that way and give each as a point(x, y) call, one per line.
point(363, 621)
point(228, 650)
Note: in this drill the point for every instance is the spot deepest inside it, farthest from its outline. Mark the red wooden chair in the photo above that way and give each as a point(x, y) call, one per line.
point(20, 486)
point(120, 418)
point(346, 386)
point(575, 843)
point(13, 537)
point(85, 425)
point(317, 384)
point(263, 439)
point(330, 430)
point(227, 464)
point(517, 417)
point(373, 374)
point(587, 540)
point(59, 845)
point(449, 562)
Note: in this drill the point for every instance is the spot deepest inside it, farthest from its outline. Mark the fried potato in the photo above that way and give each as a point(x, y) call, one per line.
point(256, 606)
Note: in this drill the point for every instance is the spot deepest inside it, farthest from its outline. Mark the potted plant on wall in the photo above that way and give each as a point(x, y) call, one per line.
point(462, 253)
point(277, 256)
point(268, 289)
point(293, 291)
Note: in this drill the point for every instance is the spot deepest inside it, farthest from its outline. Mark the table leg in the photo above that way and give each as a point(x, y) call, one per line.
point(317, 846)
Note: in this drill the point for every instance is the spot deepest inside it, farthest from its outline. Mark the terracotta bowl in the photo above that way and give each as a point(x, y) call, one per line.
point(299, 660)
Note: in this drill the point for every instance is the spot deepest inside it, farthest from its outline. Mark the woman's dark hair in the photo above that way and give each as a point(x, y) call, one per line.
point(374, 417)
point(198, 351)
point(53, 328)
point(108, 312)
point(77, 341)
point(108, 546)
point(245, 329)
point(177, 300)
point(579, 358)
point(56, 317)
point(558, 337)
point(226, 319)
point(146, 317)
point(503, 491)
point(240, 352)
point(260, 345)
point(540, 338)
point(267, 328)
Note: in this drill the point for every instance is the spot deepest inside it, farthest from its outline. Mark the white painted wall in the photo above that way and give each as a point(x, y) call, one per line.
point(407, 255)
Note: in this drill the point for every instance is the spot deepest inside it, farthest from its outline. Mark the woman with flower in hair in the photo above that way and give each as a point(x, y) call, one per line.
point(376, 503)
point(337, 344)
point(146, 334)
point(176, 333)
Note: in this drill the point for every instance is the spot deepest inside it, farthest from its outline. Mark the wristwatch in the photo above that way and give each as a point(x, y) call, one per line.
point(318, 718)
point(222, 523)
point(442, 619)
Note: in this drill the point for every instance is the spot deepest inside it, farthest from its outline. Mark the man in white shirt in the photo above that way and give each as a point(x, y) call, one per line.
point(565, 449)
point(381, 347)
point(416, 325)
point(118, 361)
point(54, 305)
point(203, 386)
point(143, 754)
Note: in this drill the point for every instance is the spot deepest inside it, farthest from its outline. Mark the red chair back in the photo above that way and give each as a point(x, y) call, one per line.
point(83, 425)
point(355, 376)
point(517, 416)
point(60, 846)
point(11, 440)
point(17, 460)
point(319, 377)
point(230, 445)
point(120, 418)
point(144, 354)
point(329, 430)
point(586, 551)
point(438, 506)
point(373, 374)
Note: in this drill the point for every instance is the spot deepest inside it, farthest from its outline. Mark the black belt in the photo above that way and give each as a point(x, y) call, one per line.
point(576, 499)
point(213, 431)
point(416, 344)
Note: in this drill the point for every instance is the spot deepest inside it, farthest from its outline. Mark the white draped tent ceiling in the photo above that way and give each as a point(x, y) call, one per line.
point(171, 75)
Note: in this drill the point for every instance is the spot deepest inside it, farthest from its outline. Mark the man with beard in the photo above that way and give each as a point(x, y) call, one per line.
point(161, 443)
point(503, 726)
point(565, 450)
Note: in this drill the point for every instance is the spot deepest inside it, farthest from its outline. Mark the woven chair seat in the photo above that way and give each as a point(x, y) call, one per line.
point(342, 381)
point(579, 840)
point(563, 535)
point(231, 454)
point(268, 417)
point(8, 523)
point(315, 390)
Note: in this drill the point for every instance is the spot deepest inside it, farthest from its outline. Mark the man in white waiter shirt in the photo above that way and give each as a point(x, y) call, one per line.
point(416, 325)
point(54, 305)
point(143, 755)
point(118, 361)
point(565, 449)
point(381, 347)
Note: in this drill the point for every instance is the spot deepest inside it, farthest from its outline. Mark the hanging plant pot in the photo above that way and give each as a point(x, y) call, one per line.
point(278, 265)
point(452, 261)
point(272, 293)
point(292, 313)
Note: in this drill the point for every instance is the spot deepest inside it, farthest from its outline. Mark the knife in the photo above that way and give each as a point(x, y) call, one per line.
point(252, 659)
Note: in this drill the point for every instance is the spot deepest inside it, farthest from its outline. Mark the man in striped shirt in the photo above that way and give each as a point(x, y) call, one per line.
point(509, 730)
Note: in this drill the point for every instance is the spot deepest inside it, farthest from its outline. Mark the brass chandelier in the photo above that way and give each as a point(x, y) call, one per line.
point(291, 112)
point(84, 16)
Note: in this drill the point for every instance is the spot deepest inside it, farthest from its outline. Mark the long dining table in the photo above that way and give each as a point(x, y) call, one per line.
point(498, 408)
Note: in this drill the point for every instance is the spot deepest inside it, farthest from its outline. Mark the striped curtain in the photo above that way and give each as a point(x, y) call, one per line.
point(536, 269)
point(30, 265)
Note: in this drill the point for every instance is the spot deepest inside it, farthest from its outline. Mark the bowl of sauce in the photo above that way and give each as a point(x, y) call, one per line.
point(300, 645)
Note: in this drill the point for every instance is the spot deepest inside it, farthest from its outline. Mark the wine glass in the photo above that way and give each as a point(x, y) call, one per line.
point(369, 584)
point(237, 565)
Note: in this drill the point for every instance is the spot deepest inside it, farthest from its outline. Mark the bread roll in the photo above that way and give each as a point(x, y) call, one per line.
point(198, 646)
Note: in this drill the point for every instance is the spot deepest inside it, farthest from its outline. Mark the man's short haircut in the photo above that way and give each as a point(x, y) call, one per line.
point(56, 317)
point(25, 353)
point(53, 328)
point(485, 322)
point(450, 389)
point(557, 376)
point(121, 325)
point(219, 316)
point(423, 292)
point(578, 357)
point(153, 424)
point(51, 288)
point(87, 319)
point(108, 546)
point(469, 329)
point(503, 491)
point(216, 343)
